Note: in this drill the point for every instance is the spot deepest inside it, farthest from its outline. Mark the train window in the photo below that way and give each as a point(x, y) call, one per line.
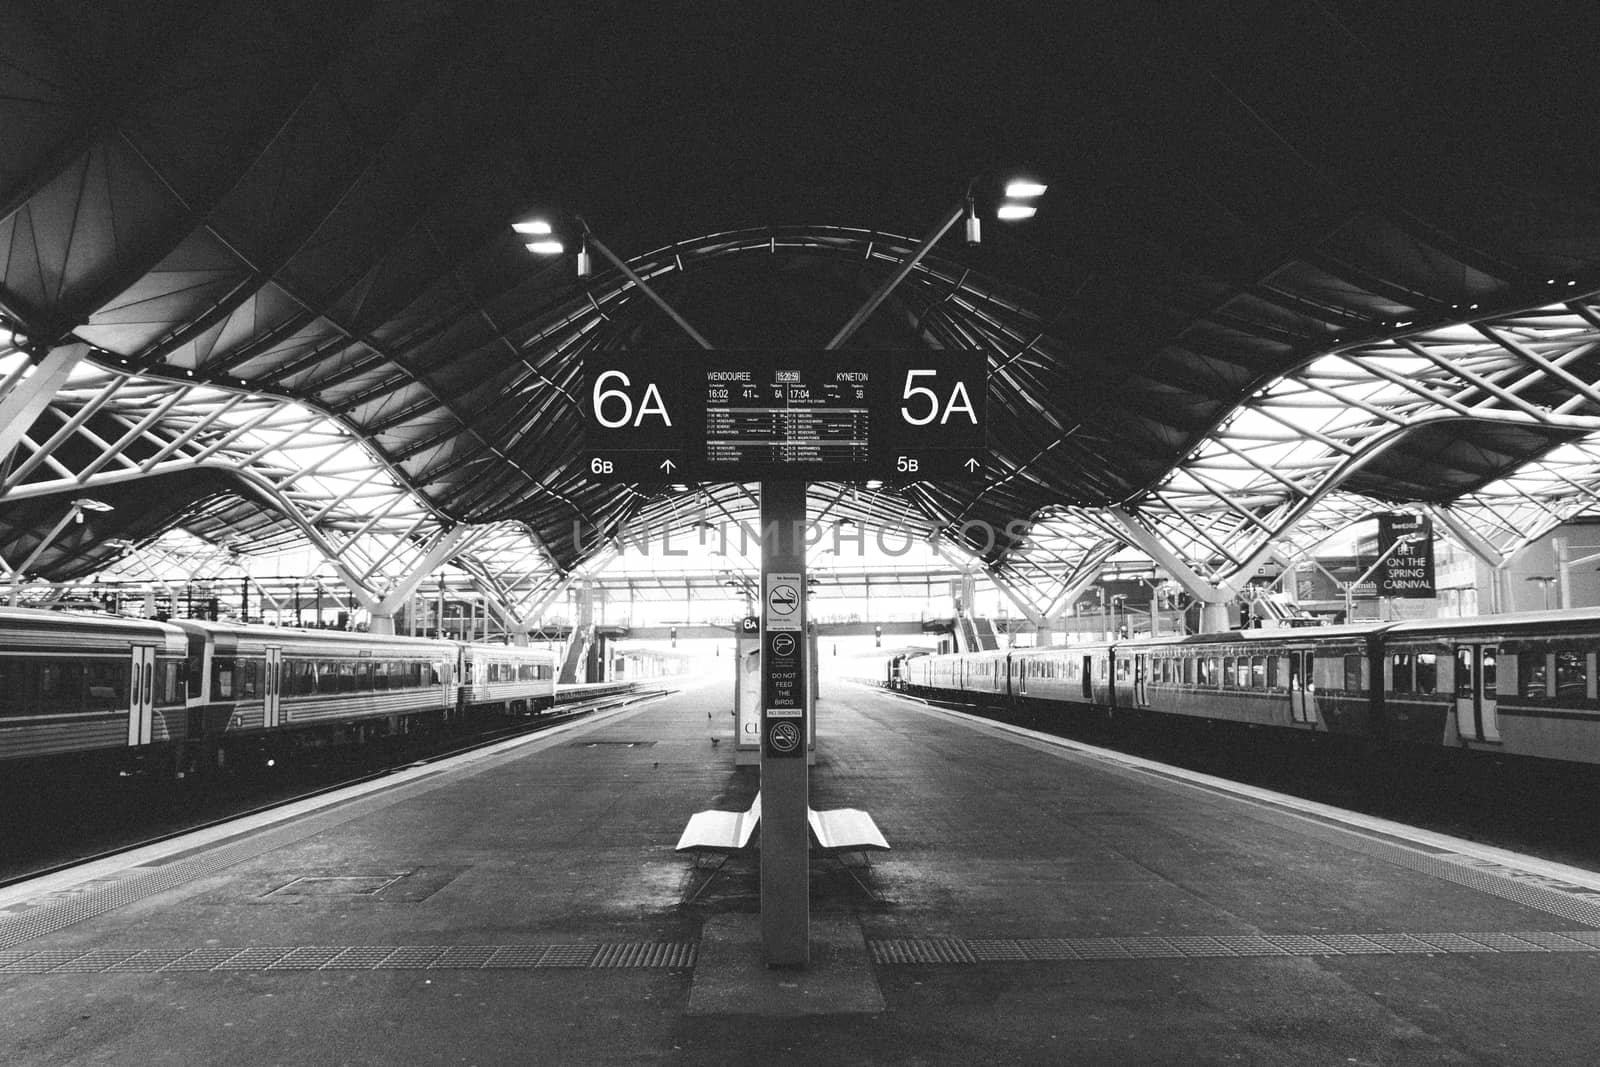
point(1355, 669)
point(1534, 672)
point(1226, 677)
point(1277, 670)
point(222, 671)
point(1427, 676)
point(169, 682)
point(1258, 672)
point(299, 678)
point(248, 677)
point(380, 674)
point(197, 647)
point(1327, 672)
point(16, 676)
point(1464, 672)
point(1402, 671)
point(105, 685)
point(58, 686)
point(1572, 675)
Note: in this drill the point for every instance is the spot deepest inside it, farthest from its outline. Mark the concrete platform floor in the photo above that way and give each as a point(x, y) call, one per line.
point(1042, 904)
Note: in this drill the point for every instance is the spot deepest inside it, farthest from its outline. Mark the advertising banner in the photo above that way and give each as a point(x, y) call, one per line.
point(1407, 570)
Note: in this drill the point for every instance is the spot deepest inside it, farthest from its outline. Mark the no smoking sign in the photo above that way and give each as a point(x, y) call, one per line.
point(781, 606)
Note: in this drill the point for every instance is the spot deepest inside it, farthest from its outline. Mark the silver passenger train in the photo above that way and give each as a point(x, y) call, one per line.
point(184, 694)
point(1522, 684)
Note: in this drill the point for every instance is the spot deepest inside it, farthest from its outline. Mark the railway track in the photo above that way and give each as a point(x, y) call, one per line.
point(1538, 807)
point(68, 824)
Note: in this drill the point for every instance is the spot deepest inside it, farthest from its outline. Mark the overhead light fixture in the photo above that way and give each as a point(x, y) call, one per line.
point(548, 244)
point(585, 267)
point(1018, 190)
point(974, 227)
point(92, 505)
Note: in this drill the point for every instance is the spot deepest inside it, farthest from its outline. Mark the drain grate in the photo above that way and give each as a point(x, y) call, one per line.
point(674, 955)
point(610, 744)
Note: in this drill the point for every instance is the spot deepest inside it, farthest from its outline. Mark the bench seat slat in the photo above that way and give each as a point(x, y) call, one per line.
point(720, 831)
point(846, 830)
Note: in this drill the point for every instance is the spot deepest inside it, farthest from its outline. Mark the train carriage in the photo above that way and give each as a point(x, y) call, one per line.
point(517, 678)
point(1069, 675)
point(174, 698)
point(1301, 679)
point(1523, 684)
point(87, 684)
point(249, 681)
point(1520, 685)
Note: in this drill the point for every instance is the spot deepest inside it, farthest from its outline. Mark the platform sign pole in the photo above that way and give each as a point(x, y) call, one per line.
point(785, 786)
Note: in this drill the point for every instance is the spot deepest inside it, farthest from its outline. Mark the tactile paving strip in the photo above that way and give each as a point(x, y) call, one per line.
point(681, 955)
point(673, 955)
point(989, 950)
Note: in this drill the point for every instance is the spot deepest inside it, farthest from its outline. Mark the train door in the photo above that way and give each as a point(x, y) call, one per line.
point(1088, 678)
point(1302, 687)
point(1141, 668)
point(272, 687)
point(142, 695)
point(1476, 719)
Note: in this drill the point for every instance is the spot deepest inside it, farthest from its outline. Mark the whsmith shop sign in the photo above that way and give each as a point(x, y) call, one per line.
point(1407, 569)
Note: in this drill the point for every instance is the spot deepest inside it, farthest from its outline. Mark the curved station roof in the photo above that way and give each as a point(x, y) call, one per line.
point(1298, 262)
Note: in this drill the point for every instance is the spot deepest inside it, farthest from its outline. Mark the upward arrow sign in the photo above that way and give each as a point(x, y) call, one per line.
point(971, 465)
point(667, 465)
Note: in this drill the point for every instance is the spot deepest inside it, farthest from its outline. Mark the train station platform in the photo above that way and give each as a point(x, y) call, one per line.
point(1043, 903)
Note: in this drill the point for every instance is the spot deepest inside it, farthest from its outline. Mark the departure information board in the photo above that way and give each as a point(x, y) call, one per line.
point(811, 416)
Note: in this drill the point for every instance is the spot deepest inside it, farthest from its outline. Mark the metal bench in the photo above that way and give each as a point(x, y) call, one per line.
point(720, 834)
point(841, 831)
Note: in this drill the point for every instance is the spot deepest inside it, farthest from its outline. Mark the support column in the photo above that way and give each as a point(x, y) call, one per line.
point(27, 399)
point(785, 785)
